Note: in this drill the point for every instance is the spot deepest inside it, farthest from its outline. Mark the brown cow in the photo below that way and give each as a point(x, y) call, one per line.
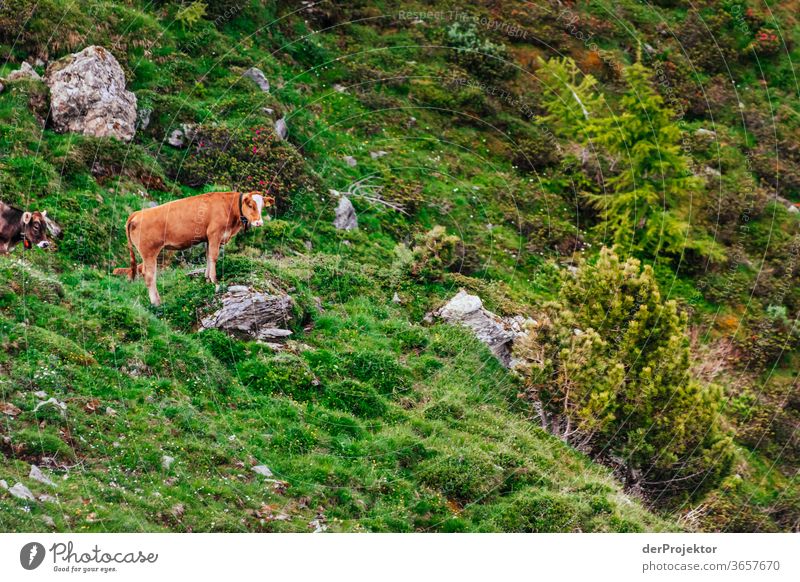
point(212, 218)
point(29, 228)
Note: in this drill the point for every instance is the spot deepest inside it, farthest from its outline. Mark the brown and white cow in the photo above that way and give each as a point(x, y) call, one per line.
point(212, 218)
point(19, 226)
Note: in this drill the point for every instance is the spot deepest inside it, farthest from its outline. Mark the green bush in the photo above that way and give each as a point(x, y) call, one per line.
point(282, 374)
point(480, 56)
point(543, 512)
point(608, 366)
point(379, 369)
point(243, 159)
point(355, 397)
point(466, 477)
point(225, 348)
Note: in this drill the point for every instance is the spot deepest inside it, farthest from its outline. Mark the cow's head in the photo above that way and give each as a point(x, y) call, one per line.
point(253, 203)
point(34, 230)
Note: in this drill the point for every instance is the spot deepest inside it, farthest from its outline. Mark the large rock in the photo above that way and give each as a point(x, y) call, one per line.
point(246, 312)
point(346, 218)
point(498, 333)
point(88, 95)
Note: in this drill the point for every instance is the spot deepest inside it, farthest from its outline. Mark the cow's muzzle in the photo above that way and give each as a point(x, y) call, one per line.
point(44, 244)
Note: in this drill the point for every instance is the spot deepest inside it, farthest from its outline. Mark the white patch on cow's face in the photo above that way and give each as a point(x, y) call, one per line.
point(44, 244)
point(259, 200)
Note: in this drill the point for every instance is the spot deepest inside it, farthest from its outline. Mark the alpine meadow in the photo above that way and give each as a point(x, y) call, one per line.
point(399, 266)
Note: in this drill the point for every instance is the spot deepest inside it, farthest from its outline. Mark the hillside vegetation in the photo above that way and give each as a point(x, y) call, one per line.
point(624, 175)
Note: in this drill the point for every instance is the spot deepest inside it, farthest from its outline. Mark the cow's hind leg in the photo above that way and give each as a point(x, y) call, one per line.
point(150, 263)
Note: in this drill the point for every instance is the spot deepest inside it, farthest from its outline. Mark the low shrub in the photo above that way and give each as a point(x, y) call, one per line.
point(243, 159)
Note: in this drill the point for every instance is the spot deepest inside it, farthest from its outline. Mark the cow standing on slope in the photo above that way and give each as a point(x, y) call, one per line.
point(212, 218)
point(19, 226)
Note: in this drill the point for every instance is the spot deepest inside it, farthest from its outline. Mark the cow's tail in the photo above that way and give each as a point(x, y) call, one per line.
point(130, 271)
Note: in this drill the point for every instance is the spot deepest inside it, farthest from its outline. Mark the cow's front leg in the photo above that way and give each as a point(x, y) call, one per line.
point(212, 253)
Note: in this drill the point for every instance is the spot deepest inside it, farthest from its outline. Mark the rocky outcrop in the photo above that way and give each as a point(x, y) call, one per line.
point(346, 218)
point(498, 333)
point(252, 314)
point(88, 95)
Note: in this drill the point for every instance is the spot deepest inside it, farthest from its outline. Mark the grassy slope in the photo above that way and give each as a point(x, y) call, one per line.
point(427, 437)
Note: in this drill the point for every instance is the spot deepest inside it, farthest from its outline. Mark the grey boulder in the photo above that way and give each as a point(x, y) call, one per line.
point(346, 218)
point(498, 333)
point(88, 95)
point(252, 314)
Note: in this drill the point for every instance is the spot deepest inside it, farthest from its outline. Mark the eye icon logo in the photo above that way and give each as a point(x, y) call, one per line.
point(31, 555)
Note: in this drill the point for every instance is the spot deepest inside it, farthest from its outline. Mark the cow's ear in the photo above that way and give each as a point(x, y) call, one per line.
point(44, 213)
point(26, 217)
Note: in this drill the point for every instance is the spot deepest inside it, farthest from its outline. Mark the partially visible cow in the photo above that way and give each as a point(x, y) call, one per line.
point(212, 218)
point(19, 226)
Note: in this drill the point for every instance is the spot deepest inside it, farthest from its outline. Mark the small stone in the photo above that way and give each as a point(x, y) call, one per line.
point(272, 333)
point(268, 110)
point(40, 394)
point(21, 492)
point(60, 406)
point(9, 409)
point(110, 411)
point(48, 521)
point(346, 218)
point(143, 117)
point(705, 132)
point(4, 484)
point(793, 209)
point(412, 122)
point(25, 71)
point(262, 470)
point(166, 462)
point(378, 154)
point(175, 139)
point(396, 298)
point(351, 161)
point(37, 475)
point(258, 77)
point(281, 129)
point(45, 498)
point(339, 88)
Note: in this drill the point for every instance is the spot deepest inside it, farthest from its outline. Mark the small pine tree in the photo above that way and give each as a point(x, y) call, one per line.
point(645, 205)
point(607, 367)
point(571, 98)
point(190, 14)
point(648, 194)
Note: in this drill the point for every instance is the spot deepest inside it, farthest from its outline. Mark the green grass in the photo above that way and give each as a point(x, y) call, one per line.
point(387, 424)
